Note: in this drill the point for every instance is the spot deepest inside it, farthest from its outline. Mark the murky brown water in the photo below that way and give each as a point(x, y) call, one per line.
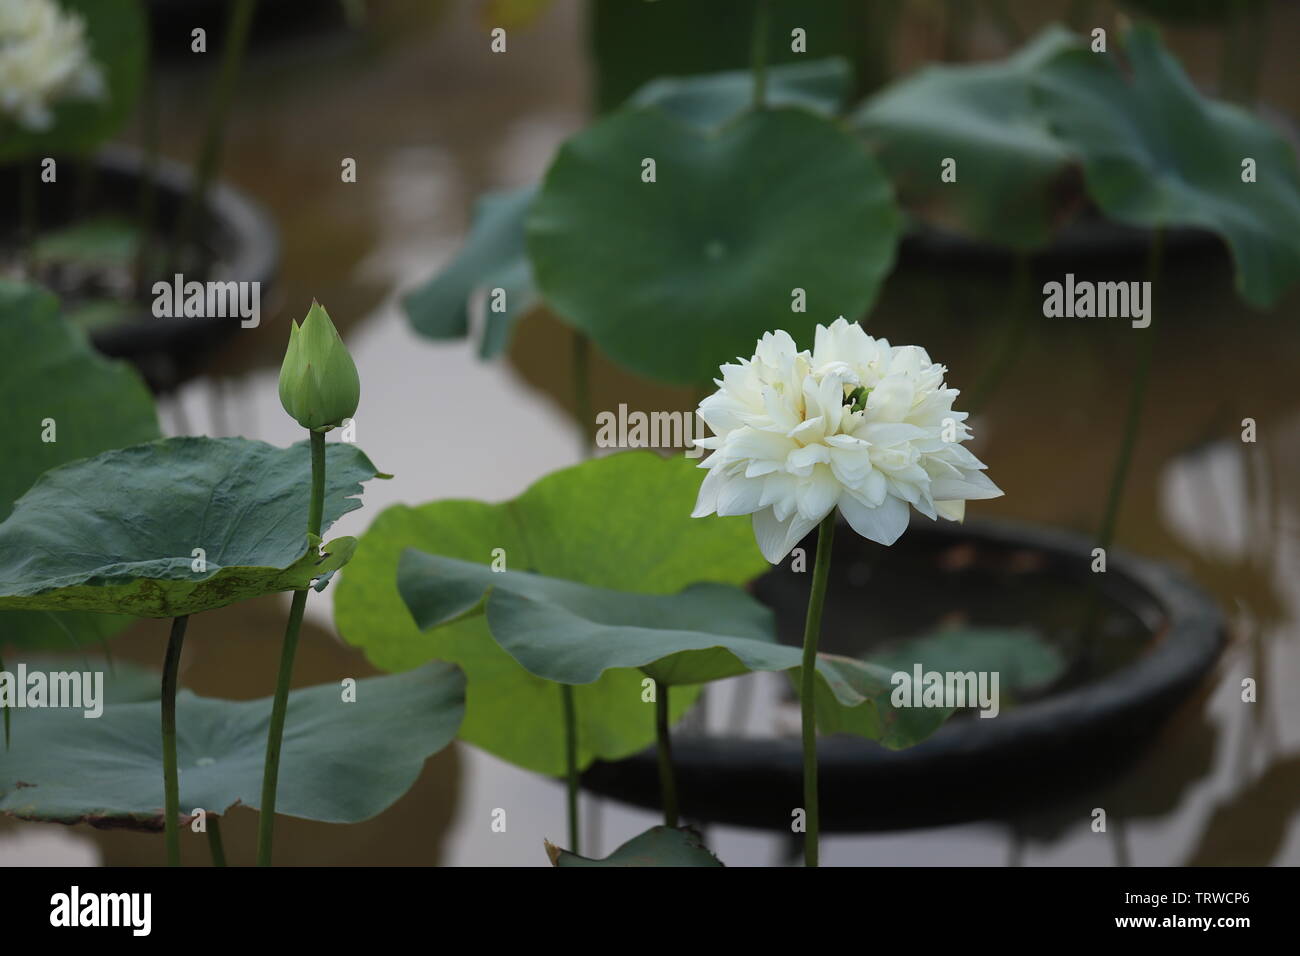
point(432, 120)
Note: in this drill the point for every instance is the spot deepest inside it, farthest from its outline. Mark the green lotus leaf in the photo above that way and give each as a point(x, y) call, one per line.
point(821, 86)
point(117, 36)
point(673, 277)
point(573, 633)
point(621, 522)
point(54, 385)
point(125, 682)
point(658, 846)
point(1023, 661)
point(128, 683)
point(1020, 656)
point(342, 761)
point(985, 118)
point(119, 532)
point(493, 258)
point(1156, 153)
point(860, 703)
point(494, 254)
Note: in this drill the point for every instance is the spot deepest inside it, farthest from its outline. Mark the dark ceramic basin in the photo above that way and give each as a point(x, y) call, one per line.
point(235, 234)
point(1158, 638)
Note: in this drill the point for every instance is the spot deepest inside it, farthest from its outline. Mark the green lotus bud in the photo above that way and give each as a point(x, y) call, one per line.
point(319, 387)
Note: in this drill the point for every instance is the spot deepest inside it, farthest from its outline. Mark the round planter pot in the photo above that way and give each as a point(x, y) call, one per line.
point(237, 236)
point(1160, 635)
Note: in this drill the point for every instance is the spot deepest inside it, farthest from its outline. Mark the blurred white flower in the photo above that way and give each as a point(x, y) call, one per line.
point(44, 58)
point(856, 424)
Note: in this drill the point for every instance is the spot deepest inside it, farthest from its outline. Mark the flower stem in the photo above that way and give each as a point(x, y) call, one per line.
point(571, 765)
point(275, 735)
point(807, 679)
point(171, 777)
point(581, 377)
point(667, 782)
point(758, 53)
point(214, 842)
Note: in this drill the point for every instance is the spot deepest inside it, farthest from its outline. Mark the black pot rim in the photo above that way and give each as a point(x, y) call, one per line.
point(240, 233)
point(246, 232)
point(1122, 711)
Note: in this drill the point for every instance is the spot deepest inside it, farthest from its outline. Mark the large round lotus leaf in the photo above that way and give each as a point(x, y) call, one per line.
point(342, 761)
point(493, 258)
point(119, 532)
point(983, 117)
point(621, 522)
point(674, 277)
point(573, 634)
point(658, 846)
point(54, 386)
point(117, 36)
point(1156, 153)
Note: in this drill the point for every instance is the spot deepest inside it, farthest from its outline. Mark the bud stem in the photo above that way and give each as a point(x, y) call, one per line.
point(275, 736)
point(171, 777)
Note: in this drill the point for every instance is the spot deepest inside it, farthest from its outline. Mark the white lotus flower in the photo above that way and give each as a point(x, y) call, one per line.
point(857, 424)
point(44, 58)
